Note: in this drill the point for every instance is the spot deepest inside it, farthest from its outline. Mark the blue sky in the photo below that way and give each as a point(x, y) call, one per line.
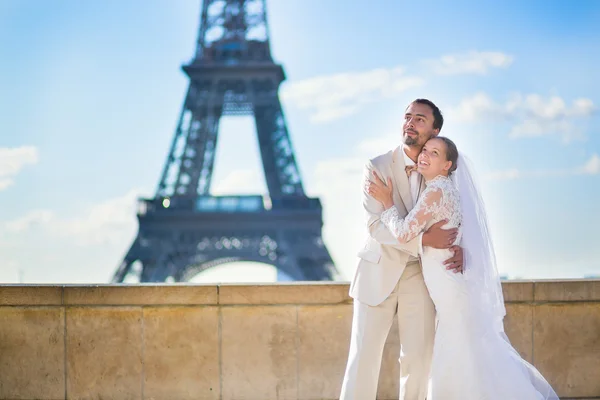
point(90, 93)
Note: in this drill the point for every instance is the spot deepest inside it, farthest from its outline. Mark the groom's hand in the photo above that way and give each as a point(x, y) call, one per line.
point(455, 263)
point(439, 238)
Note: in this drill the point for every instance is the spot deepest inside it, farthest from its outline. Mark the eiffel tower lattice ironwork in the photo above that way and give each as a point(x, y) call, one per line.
point(184, 230)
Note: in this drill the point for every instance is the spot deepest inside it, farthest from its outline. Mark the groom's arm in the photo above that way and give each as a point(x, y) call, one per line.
point(377, 230)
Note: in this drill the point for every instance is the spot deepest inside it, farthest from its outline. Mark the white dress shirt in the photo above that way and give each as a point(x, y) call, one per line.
point(415, 182)
point(413, 179)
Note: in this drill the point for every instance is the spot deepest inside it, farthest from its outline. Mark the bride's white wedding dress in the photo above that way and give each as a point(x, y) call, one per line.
point(472, 357)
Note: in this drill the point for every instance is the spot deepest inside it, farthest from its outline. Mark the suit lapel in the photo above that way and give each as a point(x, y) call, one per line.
point(400, 178)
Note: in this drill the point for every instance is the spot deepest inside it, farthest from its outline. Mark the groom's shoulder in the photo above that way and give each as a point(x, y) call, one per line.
point(381, 159)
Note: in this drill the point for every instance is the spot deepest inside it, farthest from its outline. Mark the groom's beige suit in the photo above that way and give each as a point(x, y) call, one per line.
point(388, 284)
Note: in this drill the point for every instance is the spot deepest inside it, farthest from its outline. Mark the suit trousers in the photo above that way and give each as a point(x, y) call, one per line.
point(411, 304)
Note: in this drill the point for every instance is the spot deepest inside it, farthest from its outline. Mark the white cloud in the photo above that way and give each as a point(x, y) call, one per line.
point(10, 271)
point(532, 115)
point(335, 96)
point(111, 221)
point(331, 97)
point(4, 183)
point(337, 183)
point(473, 62)
point(380, 144)
point(509, 174)
point(30, 220)
point(583, 107)
point(540, 127)
point(12, 160)
point(478, 107)
point(591, 167)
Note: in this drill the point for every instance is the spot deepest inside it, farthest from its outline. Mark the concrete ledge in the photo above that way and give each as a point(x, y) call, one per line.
point(16, 295)
point(285, 293)
point(260, 294)
point(250, 341)
point(141, 295)
point(573, 290)
point(518, 291)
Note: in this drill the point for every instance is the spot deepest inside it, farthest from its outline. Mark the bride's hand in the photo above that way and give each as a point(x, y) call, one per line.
point(380, 191)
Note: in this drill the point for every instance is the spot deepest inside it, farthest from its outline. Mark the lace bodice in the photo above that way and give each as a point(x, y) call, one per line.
point(440, 200)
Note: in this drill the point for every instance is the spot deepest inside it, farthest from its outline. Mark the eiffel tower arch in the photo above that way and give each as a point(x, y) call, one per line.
point(184, 230)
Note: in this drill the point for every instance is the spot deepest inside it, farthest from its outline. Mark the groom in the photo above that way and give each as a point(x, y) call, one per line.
point(388, 282)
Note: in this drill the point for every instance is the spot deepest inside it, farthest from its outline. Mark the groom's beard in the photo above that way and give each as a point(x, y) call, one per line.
point(409, 140)
point(414, 141)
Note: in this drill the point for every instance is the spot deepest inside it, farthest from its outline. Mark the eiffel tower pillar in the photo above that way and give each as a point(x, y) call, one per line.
point(185, 230)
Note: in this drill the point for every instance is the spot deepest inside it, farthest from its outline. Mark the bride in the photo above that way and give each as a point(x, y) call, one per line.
point(472, 356)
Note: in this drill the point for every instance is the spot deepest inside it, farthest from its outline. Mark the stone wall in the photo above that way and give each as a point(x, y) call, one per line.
point(275, 341)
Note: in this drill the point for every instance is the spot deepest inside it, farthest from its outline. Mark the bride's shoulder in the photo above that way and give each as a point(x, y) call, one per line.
point(442, 184)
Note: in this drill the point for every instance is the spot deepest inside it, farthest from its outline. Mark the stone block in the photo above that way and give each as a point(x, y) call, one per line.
point(259, 353)
point(566, 347)
point(32, 356)
point(324, 333)
point(104, 352)
point(518, 325)
point(181, 353)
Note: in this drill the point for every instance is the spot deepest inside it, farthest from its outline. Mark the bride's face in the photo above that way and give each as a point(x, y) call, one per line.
point(432, 160)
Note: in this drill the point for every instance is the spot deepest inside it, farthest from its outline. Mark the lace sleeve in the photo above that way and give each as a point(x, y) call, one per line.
point(405, 229)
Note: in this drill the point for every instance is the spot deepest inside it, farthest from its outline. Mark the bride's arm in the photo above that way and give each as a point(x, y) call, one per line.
point(406, 229)
point(377, 230)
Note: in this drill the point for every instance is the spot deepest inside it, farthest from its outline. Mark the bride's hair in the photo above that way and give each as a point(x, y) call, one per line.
point(451, 153)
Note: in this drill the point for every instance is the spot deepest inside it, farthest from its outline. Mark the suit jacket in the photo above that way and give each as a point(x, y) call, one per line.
point(383, 258)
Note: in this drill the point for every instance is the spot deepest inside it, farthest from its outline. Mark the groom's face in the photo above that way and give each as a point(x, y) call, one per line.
point(418, 125)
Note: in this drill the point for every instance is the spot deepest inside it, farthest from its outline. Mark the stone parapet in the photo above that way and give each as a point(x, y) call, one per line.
point(269, 341)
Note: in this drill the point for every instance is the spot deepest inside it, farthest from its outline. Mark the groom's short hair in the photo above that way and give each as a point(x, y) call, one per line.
point(438, 118)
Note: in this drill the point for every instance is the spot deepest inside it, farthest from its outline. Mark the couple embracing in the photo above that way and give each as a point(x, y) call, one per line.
point(429, 263)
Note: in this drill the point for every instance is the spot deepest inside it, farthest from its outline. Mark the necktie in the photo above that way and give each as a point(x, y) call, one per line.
point(409, 169)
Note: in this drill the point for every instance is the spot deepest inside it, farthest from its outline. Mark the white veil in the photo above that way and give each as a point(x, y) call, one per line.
point(485, 294)
point(480, 269)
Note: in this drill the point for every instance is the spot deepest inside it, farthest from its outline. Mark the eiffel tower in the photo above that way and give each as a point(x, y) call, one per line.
point(184, 230)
